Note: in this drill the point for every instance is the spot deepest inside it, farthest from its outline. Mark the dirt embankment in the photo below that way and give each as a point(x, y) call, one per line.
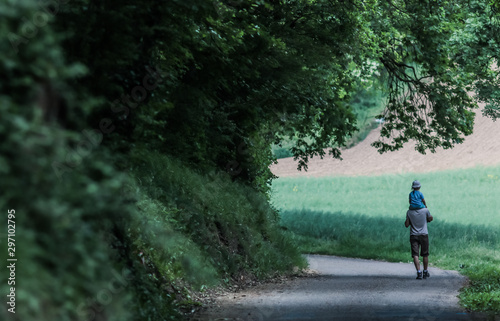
point(482, 148)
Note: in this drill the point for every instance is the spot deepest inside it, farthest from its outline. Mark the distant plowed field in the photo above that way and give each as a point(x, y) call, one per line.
point(481, 148)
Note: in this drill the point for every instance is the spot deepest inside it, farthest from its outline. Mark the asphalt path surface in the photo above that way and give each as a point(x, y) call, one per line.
point(350, 289)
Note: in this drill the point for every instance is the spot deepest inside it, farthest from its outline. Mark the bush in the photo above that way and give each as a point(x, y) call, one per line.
point(70, 212)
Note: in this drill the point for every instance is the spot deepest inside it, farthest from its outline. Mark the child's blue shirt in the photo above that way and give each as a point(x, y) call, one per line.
point(416, 198)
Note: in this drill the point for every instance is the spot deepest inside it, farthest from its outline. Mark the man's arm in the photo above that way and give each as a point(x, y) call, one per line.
point(430, 218)
point(407, 222)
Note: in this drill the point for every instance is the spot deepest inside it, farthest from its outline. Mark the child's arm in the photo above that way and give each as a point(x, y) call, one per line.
point(423, 199)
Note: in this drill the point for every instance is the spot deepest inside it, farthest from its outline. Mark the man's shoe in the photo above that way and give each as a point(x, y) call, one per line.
point(419, 275)
point(426, 274)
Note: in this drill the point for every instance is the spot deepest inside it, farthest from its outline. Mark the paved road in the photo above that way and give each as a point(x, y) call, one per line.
point(350, 289)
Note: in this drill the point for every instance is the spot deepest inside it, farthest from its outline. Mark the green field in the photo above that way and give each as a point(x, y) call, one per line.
point(364, 217)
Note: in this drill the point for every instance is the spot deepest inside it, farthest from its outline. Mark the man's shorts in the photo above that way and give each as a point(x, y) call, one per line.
point(421, 241)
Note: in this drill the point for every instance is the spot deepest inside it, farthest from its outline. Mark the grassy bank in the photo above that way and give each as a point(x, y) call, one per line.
point(364, 216)
point(133, 244)
point(193, 230)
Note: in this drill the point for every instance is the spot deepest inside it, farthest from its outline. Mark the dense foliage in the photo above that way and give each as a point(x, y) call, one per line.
point(88, 86)
point(437, 54)
point(233, 77)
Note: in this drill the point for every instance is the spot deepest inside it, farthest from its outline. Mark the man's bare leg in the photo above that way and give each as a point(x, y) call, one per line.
point(417, 263)
point(426, 262)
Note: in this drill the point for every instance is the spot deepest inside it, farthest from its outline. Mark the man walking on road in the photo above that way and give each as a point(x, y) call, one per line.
point(419, 236)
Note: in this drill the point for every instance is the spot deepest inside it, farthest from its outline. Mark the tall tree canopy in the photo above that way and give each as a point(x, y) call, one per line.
point(237, 76)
